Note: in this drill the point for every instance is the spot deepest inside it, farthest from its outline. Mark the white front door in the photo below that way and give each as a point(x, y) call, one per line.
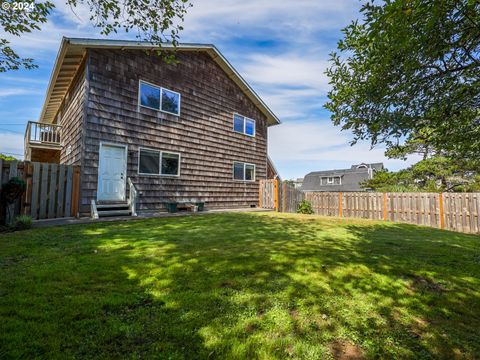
point(112, 172)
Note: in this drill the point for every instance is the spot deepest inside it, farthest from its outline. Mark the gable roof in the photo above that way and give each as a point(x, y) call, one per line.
point(72, 52)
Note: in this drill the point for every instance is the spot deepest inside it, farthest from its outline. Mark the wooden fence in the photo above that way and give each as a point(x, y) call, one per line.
point(451, 211)
point(52, 189)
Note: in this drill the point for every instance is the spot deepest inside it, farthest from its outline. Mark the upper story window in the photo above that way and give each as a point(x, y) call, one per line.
point(243, 171)
point(158, 98)
point(243, 125)
point(331, 180)
point(156, 162)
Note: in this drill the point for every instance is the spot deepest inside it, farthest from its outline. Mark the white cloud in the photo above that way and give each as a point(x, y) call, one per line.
point(15, 91)
point(288, 70)
point(319, 145)
point(11, 143)
point(282, 19)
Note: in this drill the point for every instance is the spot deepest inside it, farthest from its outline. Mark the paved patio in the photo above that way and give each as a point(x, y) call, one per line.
point(140, 215)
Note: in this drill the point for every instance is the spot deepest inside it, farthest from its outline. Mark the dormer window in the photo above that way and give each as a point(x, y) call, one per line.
point(243, 125)
point(331, 180)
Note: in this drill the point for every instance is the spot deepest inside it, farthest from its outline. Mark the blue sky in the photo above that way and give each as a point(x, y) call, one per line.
point(280, 48)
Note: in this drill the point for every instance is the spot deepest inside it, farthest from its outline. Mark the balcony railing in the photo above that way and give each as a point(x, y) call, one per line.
point(41, 134)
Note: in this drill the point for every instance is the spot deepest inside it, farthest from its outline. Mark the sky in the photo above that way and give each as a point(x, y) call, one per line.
point(280, 47)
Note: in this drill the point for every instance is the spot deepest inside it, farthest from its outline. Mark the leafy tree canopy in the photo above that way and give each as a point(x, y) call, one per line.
point(7, 157)
point(156, 21)
point(434, 174)
point(411, 70)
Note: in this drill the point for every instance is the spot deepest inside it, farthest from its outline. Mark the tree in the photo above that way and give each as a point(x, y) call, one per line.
point(7, 157)
point(156, 21)
point(411, 69)
point(434, 174)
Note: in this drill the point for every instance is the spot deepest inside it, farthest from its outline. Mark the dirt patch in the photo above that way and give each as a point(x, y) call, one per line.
point(344, 350)
point(251, 327)
point(227, 285)
point(294, 314)
point(421, 284)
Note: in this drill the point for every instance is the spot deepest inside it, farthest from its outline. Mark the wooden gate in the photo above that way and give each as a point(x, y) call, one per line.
point(53, 190)
point(268, 194)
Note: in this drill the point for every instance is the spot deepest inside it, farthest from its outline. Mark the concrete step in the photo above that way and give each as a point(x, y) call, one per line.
point(112, 206)
point(123, 212)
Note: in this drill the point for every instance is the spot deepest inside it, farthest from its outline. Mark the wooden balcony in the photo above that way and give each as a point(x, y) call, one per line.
point(43, 142)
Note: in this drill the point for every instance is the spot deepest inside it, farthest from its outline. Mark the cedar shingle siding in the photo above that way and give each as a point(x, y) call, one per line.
point(203, 133)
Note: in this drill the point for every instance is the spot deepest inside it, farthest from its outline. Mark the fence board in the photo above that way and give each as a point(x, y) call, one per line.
point(43, 192)
point(53, 191)
point(35, 190)
point(68, 193)
point(61, 190)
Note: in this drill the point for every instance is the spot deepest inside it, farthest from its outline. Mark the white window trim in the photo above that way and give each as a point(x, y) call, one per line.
point(161, 90)
point(333, 180)
point(245, 118)
point(160, 152)
point(244, 171)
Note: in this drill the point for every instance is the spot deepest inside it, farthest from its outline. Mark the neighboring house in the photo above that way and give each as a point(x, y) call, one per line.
point(190, 131)
point(297, 183)
point(340, 180)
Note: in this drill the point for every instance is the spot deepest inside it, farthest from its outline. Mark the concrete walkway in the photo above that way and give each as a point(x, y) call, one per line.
point(140, 216)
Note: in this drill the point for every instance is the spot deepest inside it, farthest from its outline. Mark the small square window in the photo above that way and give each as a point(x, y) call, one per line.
point(238, 171)
point(149, 162)
point(149, 96)
point(170, 164)
point(250, 127)
point(330, 180)
point(170, 102)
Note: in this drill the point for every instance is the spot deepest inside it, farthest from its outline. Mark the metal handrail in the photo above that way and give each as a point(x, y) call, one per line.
point(132, 199)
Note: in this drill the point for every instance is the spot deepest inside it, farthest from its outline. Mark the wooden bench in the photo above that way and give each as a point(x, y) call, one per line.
point(193, 206)
point(187, 206)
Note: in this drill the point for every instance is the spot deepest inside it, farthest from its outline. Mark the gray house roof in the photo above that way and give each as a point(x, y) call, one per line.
point(350, 178)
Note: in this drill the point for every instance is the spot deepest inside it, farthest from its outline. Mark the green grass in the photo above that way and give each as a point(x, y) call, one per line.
point(239, 286)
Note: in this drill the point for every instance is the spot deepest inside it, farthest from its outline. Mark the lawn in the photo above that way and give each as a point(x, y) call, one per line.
point(243, 285)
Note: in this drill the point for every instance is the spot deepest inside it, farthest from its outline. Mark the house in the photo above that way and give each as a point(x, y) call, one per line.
point(297, 183)
point(192, 130)
point(340, 180)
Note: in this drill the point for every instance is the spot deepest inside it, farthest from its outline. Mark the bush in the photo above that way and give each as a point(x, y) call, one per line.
point(23, 222)
point(12, 190)
point(305, 207)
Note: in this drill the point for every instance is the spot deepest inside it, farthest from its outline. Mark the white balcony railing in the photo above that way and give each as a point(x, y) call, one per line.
point(43, 134)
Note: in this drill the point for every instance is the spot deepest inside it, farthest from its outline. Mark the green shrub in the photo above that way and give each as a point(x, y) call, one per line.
point(23, 222)
point(305, 207)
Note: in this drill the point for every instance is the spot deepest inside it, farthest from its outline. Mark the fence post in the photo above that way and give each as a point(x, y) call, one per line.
point(275, 194)
point(442, 215)
point(340, 204)
point(284, 198)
